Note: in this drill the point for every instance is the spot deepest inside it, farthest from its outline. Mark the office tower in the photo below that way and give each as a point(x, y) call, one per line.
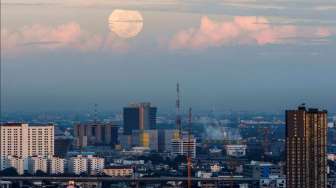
point(306, 140)
point(23, 140)
point(181, 146)
point(145, 138)
point(139, 116)
point(96, 134)
point(36, 163)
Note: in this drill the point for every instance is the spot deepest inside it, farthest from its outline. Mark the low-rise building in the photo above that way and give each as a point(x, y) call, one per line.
point(56, 165)
point(273, 182)
point(95, 165)
point(118, 171)
point(78, 165)
point(236, 150)
point(14, 162)
point(86, 164)
point(36, 163)
point(260, 170)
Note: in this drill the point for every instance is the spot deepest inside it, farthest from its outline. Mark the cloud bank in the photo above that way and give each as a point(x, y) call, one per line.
point(65, 36)
point(240, 30)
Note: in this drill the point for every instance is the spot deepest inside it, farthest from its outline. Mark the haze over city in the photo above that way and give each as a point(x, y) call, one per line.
point(240, 55)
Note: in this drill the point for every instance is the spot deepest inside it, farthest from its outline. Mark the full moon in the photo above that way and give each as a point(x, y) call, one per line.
point(125, 23)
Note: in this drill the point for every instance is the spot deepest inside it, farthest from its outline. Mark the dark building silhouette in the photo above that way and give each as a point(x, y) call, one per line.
point(62, 145)
point(139, 117)
point(306, 139)
point(96, 134)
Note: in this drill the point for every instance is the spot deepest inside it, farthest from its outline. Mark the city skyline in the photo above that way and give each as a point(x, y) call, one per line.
point(245, 55)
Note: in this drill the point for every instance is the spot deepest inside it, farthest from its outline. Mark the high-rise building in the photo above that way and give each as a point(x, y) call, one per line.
point(139, 117)
point(182, 146)
point(96, 134)
point(145, 138)
point(306, 163)
point(23, 140)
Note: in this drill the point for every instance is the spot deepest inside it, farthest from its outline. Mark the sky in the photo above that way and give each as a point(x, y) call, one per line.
point(259, 55)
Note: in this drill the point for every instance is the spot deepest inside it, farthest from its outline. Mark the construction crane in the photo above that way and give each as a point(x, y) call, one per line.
point(189, 151)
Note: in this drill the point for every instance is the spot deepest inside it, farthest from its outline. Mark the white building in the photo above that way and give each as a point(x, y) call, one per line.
point(78, 164)
point(15, 162)
point(237, 150)
point(95, 165)
point(86, 164)
point(183, 146)
point(36, 163)
point(23, 140)
point(56, 165)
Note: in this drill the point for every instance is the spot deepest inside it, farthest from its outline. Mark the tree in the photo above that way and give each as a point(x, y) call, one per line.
point(9, 172)
point(40, 173)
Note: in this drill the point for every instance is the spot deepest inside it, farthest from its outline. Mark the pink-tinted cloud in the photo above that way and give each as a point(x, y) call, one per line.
point(70, 35)
point(242, 31)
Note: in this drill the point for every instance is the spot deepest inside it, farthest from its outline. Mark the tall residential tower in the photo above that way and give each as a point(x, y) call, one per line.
point(306, 139)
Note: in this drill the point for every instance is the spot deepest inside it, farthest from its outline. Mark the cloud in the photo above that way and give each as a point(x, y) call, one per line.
point(240, 30)
point(65, 36)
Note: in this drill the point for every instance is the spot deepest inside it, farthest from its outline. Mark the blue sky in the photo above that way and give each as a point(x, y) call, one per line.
point(241, 55)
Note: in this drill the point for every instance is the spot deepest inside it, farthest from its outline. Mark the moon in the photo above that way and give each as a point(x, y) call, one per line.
point(125, 23)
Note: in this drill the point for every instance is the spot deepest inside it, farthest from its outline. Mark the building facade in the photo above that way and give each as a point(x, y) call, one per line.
point(23, 140)
point(139, 117)
point(183, 146)
point(95, 165)
point(118, 171)
point(306, 140)
point(236, 150)
point(145, 138)
point(96, 134)
point(86, 164)
point(36, 163)
point(259, 170)
point(56, 165)
point(14, 162)
point(78, 165)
